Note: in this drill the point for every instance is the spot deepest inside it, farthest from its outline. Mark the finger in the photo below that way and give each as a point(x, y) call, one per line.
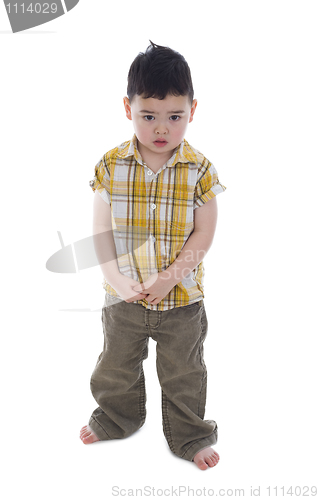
point(139, 288)
point(139, 296)
point(151, 299)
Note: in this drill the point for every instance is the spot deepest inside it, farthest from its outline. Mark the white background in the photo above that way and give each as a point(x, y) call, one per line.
point(255, 73)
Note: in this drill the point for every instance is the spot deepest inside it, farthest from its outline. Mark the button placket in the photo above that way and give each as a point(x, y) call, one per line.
point(150, 189)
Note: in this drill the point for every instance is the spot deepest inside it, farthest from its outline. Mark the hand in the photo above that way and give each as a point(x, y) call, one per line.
point(157, 286)
point(124, 285)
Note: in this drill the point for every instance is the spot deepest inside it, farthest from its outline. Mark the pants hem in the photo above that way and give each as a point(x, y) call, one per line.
point(200, 445)
point(98, 430)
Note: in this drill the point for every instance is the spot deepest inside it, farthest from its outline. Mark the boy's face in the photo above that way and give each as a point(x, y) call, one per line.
point(159, 125)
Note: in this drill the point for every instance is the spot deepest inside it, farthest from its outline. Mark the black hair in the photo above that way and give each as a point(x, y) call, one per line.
point(158, 72)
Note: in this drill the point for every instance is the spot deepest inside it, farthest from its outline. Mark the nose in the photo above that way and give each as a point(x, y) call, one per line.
point(161, 129)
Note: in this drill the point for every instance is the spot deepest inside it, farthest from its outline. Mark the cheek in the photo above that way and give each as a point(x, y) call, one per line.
point(178, 132)
point(140, 129)
point(143, 133)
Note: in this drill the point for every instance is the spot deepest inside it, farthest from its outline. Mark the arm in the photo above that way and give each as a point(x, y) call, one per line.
point(198, 244)
point(106, 252)
point(103, 239)
point(193, 252)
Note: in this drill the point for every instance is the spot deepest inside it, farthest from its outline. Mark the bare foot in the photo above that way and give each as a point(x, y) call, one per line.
point(206, 458)
point(87, 435)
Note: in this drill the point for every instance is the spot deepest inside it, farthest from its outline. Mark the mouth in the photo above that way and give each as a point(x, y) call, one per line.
point(160, 143)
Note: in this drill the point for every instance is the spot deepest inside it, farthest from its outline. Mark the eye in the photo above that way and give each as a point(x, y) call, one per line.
point(149, 118)
point(175, 118)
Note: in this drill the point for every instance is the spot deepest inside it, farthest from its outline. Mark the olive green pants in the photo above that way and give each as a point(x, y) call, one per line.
point(117, 382)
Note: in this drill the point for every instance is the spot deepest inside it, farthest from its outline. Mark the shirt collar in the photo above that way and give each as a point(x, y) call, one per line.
point(184, 153)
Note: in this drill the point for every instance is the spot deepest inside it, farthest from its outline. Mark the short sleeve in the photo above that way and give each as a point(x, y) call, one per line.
point(101, 181)
point(207, 185)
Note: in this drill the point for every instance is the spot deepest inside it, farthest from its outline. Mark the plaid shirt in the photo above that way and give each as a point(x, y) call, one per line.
point(153, 213)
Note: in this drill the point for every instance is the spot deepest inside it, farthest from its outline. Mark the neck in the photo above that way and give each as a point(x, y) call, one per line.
point(155, 160)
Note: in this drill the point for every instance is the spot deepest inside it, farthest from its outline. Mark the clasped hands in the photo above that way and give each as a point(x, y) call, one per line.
point(154, 289)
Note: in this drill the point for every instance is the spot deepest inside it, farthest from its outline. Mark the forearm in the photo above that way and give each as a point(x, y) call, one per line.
point(197, 245)
point(190, 256)
point(106, 252)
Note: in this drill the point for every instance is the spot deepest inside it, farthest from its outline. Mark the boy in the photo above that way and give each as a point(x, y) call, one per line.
point(155, 215)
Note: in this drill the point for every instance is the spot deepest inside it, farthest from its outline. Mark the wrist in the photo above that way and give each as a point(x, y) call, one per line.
point(169, 275)
point(113, 277)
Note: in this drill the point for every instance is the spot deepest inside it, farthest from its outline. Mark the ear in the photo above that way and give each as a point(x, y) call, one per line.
point(127, 107)
point(194, 106)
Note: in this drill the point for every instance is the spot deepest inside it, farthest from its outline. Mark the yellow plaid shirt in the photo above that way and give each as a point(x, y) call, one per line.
point(153, 213)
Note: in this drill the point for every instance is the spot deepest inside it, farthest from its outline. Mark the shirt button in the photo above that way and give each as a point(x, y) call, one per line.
point(153, 206)
point(149, 172)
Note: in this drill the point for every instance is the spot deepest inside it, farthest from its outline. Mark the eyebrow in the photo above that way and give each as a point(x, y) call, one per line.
point(155, 113)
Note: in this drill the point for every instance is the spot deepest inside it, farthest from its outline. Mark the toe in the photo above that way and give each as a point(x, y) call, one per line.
point(89, 439)
point(84, 430)
point(211, 461)
point(85, 439)
point(214, 456)
point(85, 434)
point(201, 464)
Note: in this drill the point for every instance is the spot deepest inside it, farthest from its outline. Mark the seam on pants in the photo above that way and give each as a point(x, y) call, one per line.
point(142, 398)
point(166, 423)
point(201, 403)
point(158, 319)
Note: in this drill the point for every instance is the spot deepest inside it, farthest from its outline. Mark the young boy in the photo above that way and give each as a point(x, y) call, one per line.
point(155, 215)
